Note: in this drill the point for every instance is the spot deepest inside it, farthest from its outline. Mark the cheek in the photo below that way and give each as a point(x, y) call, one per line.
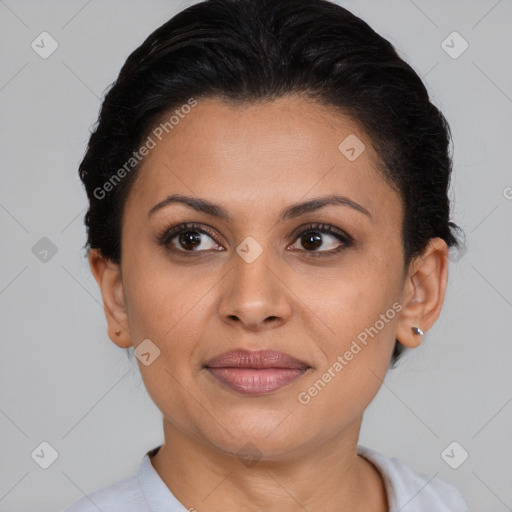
point(338, 399)
point(173, 308)
point(354, 365)
point(359, 312)
point(163, 299)
point(347, 299)
point(166, 308)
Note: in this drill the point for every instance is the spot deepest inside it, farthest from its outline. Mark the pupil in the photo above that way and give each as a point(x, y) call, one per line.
point(309, 239)
point(190, 237)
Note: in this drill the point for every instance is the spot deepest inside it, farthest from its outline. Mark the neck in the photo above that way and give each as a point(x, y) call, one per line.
point(322, 477)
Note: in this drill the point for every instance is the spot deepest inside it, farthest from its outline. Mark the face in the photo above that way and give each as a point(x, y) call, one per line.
point(323, 283)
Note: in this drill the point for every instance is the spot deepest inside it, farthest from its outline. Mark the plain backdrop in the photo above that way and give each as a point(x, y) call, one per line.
point(65, 383)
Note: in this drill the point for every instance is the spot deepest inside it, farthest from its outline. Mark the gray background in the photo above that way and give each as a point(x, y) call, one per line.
point(64, 382)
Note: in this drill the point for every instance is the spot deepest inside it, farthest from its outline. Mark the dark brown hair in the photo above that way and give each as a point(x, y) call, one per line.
point(254, 50)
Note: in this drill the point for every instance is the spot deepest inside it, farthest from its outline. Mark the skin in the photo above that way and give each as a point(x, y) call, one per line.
point(255, 161)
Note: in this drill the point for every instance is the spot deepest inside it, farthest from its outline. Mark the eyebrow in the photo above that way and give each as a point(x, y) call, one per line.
point(215, 210)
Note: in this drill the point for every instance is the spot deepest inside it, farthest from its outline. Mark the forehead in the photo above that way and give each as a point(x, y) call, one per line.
point(261, 154)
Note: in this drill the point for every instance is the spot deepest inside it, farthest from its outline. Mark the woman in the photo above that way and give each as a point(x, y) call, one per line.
point(269, 228)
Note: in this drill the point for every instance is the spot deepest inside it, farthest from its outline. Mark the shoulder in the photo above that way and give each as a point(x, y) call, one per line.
point(144, 491)
point(409, 491)
point(121, 496)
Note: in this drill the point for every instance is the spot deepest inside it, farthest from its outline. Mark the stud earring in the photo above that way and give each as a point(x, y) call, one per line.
point(417, 330)
point(118, 333)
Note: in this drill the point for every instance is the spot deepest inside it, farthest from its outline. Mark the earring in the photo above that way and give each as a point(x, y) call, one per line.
point(417, 330)
point(118, 333)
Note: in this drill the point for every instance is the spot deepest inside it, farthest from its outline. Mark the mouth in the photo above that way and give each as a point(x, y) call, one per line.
point(256, 373)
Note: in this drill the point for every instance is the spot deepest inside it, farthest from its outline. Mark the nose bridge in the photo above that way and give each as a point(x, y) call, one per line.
point(253, 294)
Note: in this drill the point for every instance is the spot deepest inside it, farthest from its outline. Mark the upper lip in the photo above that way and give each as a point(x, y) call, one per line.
point(256, 359)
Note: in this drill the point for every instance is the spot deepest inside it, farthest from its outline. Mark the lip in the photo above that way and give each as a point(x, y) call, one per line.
point(256, 372)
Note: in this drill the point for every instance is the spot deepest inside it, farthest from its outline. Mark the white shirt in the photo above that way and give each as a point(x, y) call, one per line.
point(145, 491)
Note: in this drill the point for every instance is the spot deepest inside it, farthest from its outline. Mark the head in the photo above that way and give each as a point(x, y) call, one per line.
point(241, 110)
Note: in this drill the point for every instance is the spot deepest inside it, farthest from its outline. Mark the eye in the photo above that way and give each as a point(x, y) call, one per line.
point(314, 237)
point(187, 238)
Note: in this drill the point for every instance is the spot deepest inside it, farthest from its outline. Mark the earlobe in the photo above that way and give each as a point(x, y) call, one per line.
point(108, 276)
point(423, 293)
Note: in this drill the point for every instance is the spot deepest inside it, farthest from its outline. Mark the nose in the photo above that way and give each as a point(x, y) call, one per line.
point(255, 296)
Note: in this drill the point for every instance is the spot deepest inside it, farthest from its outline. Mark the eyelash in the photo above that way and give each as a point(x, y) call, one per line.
point(166, 235)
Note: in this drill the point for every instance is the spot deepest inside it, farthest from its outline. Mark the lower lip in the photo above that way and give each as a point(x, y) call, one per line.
point(251, 381)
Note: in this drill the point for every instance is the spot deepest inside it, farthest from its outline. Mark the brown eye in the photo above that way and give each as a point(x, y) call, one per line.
point(311, 240)
point(322, 240)
point(189, 238)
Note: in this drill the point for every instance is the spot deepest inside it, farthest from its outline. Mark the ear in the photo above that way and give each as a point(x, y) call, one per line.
point(423, 293)
point(108, 277)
